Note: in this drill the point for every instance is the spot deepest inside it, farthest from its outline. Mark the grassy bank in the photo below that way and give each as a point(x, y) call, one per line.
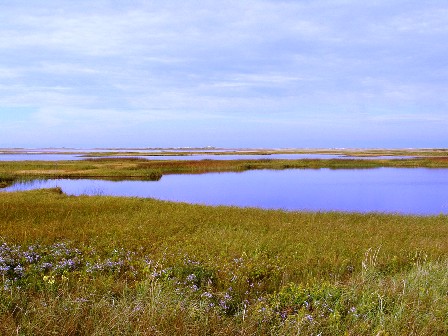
point(104, 266)
point(132, 168)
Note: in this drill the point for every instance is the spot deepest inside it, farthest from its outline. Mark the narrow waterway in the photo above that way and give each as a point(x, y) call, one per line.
point(420, 191)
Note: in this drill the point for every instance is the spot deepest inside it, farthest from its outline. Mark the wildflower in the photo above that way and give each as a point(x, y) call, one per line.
point(31, 257)
point(4, 269)
point(19, 270)
point(46, 266)
point(207, 295)
point(7, 285)
point(49, 279)
point(81, 300)
point(137, 308)
point(66, 264)
point(223, 304)
point(191, 278)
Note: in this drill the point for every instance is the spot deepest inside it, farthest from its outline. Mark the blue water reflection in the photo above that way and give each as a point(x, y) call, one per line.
point(39, 157)
point(61, 157)
point(391, 190)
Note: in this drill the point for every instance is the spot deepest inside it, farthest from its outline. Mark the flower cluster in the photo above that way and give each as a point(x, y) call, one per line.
point(18, 263)
point(225, 288)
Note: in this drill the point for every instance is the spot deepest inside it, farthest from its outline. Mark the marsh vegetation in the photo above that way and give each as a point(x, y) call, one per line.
point(97, 265)
point(105, 265)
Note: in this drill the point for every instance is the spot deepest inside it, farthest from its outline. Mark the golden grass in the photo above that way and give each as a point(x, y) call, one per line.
point(180, 269)
point(323, 244)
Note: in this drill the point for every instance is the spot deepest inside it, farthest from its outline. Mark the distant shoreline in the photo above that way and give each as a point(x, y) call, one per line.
point(104, 152)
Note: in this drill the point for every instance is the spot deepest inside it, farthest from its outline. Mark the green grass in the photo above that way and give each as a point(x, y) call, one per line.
point(114, 266)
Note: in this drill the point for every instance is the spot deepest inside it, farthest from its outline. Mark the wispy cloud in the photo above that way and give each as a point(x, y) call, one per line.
point(246, 61)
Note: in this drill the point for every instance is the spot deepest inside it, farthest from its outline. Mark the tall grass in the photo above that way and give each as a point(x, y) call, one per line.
point(113, 266)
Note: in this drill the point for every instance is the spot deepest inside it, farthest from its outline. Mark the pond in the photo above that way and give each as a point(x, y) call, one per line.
point(420, 191)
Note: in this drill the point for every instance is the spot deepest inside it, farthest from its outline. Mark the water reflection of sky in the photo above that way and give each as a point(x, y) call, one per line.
point(400, 190)
point(61, 157)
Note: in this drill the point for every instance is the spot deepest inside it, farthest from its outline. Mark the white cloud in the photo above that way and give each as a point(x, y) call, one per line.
point(175, 60)
point(10, 73)
point(423, 21)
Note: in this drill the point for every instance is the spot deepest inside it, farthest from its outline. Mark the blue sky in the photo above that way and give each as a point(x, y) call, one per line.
point(223, 73)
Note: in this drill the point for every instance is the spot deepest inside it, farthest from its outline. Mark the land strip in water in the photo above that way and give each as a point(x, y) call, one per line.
point(417, 152)
point(142, 169)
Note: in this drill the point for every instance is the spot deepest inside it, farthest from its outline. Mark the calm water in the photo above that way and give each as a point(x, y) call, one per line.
point(392, 190)
point(61, 157)
point(39, 157)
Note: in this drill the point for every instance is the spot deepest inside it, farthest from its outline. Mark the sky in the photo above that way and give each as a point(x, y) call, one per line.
point(234, 73)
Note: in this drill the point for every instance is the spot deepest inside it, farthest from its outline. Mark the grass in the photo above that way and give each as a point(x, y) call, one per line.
point(6, 180)
point(128, 266)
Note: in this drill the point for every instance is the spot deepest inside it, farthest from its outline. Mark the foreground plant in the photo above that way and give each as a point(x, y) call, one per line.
point(122, 266)
point(76, 291)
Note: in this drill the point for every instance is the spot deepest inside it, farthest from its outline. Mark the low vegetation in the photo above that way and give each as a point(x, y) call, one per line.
point(6, 180)
point(127, 266)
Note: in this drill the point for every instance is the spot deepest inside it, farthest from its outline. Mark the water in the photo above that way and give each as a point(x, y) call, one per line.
point(391, 190)
point(39, 157)
point(35, 156)
point(60, 157)
point(239, 157)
